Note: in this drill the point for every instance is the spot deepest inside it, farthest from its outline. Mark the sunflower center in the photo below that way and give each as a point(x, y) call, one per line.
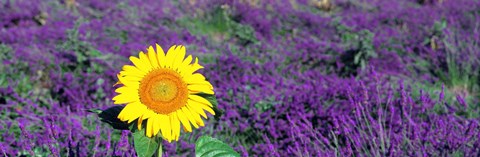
point(163, 91)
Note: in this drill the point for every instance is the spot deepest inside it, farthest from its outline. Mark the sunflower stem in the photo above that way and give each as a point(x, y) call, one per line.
point(160, 151)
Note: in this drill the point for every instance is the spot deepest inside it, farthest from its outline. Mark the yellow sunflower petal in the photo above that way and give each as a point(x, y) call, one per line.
point(139, 122)
point(125, 89)
point(206, 83)
point(197, 109)
point(152, 57)
point(156, 124)
point(146, 62)
point(124, 98)
point(170, 56)
point(137, 109)
point(131, 79)
point(195, 116)
point(196, 88)
point(149, 129)
point(204, 107)
point(130, 74)
point(189, 116)
point(203, 83)
point(184, 121)
point(175, 126)
point(192, 78)
point(148, 114)
point(197, 77)
point(191, 68)
point(199, 120)
point(120, 79)
point(182, 68)
point(187, 60)
point(195, 66)
point(118, 83)
point(180, 55)
point(200, 100)
point(208, 109)
point(165, 126)
point(130, 112)
point(131, 84)
point(132, 71)
point(160, 56)
point(142, 66)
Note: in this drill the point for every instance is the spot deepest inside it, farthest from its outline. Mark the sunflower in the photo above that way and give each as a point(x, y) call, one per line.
point(163, 89)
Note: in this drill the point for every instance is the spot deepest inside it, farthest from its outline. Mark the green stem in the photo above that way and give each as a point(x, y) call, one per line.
point(160, 151)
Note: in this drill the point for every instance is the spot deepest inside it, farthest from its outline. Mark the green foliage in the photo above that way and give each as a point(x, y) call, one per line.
point(266, 104)
point(455, 72)
point(19, 74)
point(459, 74)
point(210, 147)
point(38, 151)
point(366, 49)
point(5, 51)
point(110, 115)
point(434, 90)
point(219, 24)
point(145, 146)
point(207, 58)
point(457, 153)
point(439, 26)
point(362, 43)
point(359, 46)
point(84, 52)
point(74, 43)
point(122, 35)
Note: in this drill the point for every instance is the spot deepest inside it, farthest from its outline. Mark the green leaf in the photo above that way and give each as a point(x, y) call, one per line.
point(356, 59)
point(144, 146)
point(110, 116)
point(363, 64)
point(440, 25)
point(213, 100)
point(208, 146)
point(97, 111)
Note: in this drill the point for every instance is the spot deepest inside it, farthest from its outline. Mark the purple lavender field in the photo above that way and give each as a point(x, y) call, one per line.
point(294, 77)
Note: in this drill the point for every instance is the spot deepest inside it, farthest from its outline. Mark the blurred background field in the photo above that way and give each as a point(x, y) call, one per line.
point(294, 77)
